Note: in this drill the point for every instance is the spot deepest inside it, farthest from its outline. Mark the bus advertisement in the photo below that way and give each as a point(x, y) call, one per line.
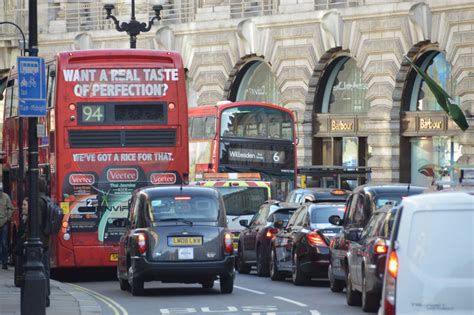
point(245, 137)
point(116, 120)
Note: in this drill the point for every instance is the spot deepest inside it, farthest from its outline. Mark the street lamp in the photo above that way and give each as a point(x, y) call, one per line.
point(133, 28)
point(23, 50)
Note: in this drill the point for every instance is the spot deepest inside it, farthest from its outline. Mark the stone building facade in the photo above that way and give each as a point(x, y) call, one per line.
point(339, 64)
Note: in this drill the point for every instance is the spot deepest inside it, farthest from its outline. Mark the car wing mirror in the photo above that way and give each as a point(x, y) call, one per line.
point(244, 223)
point(335, 220)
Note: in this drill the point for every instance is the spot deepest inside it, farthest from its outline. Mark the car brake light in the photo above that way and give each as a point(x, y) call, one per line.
point(314, 239)
point(380, 249)
point(392, 266)
point(271, 233)
point(390, 284)
point(141, 243)
point(228, 243)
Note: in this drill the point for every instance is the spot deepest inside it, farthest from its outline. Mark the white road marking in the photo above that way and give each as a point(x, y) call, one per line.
point(290, 301)
point(315, 312)
point(249, 290)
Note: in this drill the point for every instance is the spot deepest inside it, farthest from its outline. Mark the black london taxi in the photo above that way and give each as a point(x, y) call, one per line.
point(175, 234)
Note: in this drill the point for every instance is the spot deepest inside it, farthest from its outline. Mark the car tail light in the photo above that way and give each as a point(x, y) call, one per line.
point(271, 233)
point(390, 284)
point(314, 239)
point(380, 247)
point(141, 243)
point(228, 243)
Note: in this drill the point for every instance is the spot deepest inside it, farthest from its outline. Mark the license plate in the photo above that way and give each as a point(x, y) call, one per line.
point(113, 257)
point(186, 241)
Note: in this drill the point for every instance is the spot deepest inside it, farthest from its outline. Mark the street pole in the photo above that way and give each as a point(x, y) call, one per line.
point(34, 288)
point(133, 28)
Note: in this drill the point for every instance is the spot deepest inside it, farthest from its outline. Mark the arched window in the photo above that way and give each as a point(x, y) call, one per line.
point(438, 68)
point(344, 88)
point(256, 82)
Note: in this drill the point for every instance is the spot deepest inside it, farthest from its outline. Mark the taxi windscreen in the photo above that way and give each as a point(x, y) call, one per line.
point(184, 208)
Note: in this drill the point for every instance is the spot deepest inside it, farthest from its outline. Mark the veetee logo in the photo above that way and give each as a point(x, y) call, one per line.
point(163, 178)
point(122, 175)
point(81, 179)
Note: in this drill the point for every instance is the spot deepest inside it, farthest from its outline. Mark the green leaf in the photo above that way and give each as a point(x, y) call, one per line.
point(442, 97)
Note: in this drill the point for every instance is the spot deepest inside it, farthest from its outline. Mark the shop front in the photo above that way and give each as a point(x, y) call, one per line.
point(340, 116)
point(429, 143)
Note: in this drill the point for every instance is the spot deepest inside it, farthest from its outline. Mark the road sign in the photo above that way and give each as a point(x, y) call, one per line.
point(32, 86)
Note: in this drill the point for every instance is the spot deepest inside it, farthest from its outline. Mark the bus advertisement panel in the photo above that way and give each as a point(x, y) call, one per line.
point(117, 120)
point(247, 137)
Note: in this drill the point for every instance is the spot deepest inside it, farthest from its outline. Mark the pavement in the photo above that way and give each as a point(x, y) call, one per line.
point(65, 299)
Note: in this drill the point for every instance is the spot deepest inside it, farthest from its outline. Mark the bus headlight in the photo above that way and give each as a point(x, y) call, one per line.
point(67, 236)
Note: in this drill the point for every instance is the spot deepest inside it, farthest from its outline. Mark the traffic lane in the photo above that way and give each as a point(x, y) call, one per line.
point(252, 295)
point(316, 295)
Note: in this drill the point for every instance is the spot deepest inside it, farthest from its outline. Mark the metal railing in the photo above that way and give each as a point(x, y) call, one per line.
point(89, 16)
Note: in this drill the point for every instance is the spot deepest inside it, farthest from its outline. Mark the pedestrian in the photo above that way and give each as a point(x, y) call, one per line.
point(6, 210)
point(19, 250)
point(43, 211)
point(24, 211)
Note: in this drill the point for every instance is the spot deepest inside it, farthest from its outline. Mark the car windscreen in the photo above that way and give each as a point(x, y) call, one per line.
point(321, 214)
point(243, 200)
point(191, 208)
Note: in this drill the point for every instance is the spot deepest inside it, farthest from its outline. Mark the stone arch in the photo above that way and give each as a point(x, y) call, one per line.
point(236, 74)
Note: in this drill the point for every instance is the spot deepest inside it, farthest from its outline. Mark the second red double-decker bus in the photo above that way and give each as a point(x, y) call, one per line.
point(116, 120)
point(245, 137)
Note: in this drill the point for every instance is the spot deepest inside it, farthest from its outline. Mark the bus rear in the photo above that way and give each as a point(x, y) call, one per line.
point(120, 122)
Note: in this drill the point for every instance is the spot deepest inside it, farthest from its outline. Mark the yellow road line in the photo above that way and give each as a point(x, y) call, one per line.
point(116, 307)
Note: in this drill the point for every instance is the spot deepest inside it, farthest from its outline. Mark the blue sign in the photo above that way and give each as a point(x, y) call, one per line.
point(32, 86)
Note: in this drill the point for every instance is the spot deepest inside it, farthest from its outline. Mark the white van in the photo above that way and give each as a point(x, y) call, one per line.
point(430, 265)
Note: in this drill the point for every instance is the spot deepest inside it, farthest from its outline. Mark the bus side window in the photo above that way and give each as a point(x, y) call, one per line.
point(10, 97)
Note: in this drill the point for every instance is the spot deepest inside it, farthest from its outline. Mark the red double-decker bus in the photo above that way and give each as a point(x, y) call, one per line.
point(116, 120)
point(244, 137)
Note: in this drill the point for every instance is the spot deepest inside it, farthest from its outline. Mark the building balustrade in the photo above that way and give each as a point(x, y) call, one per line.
point(63, 16)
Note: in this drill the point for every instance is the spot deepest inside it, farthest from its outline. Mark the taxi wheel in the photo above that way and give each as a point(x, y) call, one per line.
point(136, 285)
point(124, 286)
point(227, 284)
point(208, 284)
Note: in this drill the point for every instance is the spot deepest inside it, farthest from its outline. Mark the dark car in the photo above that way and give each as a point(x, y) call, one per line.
point(302, 195)
point(365, 254)
point(362, 202)
point(175, 234)
point(301, 249)
point(255, 239)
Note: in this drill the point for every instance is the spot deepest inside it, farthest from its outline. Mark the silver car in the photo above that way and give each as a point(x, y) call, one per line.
point(175, 234)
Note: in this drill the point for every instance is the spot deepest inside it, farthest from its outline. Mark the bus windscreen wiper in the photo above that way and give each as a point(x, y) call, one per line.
point(177, 220)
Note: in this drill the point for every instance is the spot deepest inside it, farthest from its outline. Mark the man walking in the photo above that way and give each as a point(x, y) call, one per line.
point(6, 210)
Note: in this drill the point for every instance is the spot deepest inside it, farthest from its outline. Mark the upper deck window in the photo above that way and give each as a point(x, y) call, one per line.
point(256, 122)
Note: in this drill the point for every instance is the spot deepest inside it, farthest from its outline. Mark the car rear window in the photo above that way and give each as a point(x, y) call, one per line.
point(283, 214)
point(188, 208)
point(321, 214)
point(441, 242)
